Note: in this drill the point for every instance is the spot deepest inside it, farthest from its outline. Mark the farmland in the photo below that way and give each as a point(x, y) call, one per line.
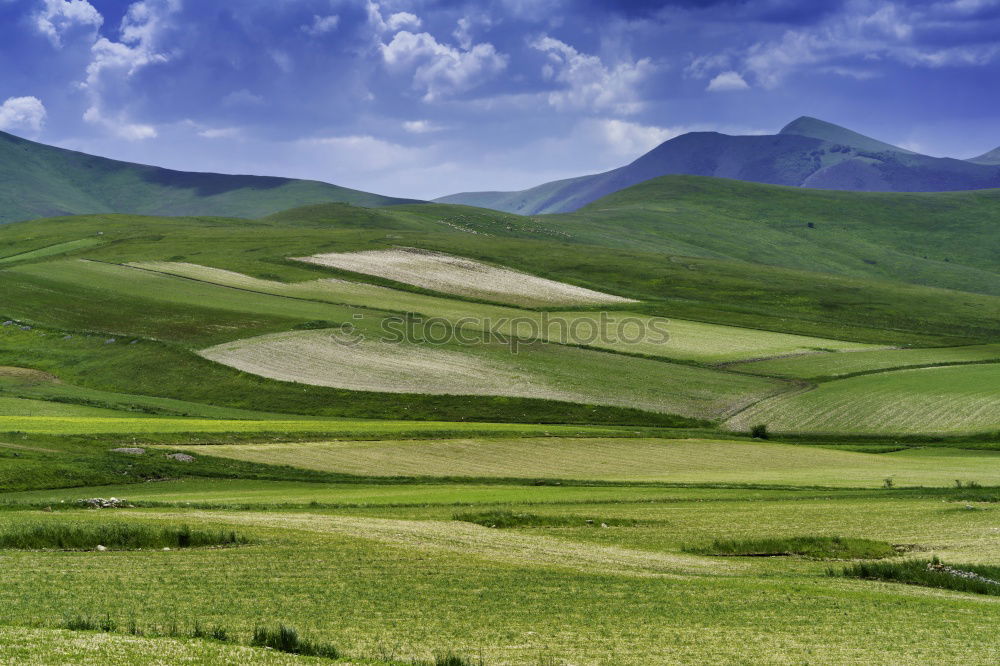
point(358, 476)
point(957, 399)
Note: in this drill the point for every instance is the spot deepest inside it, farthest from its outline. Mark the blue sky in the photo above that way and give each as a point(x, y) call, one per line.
point(425, 98)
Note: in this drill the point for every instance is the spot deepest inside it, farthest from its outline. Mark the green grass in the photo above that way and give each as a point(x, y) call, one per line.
point(625, 460)
point(827, 366)
point(958, 399)
point(113, 536)
point(817, 548)
point(977, 579)
point(286, 639)
point(504, 519)
point(52, 250)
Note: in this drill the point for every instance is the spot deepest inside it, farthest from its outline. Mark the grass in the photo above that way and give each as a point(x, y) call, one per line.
point(503, 519)
point(52, 250)
point(977, 579)
point(113, 536)
point(286, 639)
point(827, 366)
point(817, 548)
point(538, 370)
point(626, 460)
point(688, 340)
point(957, 399)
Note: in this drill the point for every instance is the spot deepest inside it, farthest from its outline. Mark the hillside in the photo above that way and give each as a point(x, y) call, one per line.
point(945, 239)
point(992, 157)
point(43, 181)
point(805, 153)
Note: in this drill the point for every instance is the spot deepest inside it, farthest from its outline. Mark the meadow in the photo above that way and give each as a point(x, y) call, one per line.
point(794, 476)
point(932, 400)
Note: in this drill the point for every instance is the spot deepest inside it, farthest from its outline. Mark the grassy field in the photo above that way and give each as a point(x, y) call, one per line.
point(627, 332)
point(648, 460)
point(957, 399)
point(536, 370)
point(823, 366)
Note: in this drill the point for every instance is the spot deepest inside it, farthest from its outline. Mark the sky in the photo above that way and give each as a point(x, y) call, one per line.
point(424, 98)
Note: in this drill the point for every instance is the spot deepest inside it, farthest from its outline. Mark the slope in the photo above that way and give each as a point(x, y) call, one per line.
point(42, 181)
point(806, 153)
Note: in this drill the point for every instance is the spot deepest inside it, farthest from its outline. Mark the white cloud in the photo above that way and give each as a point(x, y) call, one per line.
point(421, 127)
point(588, 83)
point(113, 63)
point(874, 30)
point(401, 20)
point(321, 25)
point(56, 17)
point(24, 113)
point(363, 153)
point(631, 139)
point(727, 81)
point(438, 69)
point(220, 133)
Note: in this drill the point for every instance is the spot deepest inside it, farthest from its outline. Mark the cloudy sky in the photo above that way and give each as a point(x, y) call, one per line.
point(427, 97)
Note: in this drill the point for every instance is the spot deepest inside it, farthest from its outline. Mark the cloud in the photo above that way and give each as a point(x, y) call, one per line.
point(727, 81)
point(23, 113)
point(401, 20)
point(113, 63)
point(589, 84)
point(242, 97)
point(220, 133)
point(321, 25)
point(421, 127)
point(57, 17)
point(441, 70)
point(363, 153)
point(630, 139)
point(932, 34)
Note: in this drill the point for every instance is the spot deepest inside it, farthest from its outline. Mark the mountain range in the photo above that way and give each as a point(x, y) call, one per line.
point(807, 153)
point(37, 180)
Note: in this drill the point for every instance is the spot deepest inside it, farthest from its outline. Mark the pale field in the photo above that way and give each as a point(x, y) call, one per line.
point(615, 331)
point(462, 277)
point(641, 460)
point(946, 400)
point(833, 365)
point(537, 370)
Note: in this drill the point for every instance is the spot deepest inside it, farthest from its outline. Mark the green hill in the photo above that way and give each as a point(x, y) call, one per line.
point(945, 239)
point(44, 181)
point(806, 153)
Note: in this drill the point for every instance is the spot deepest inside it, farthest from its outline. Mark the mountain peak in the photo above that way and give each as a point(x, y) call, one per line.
point(815, 128)
point(990, 158)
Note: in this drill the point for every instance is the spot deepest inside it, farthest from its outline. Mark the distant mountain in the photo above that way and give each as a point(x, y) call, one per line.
point(806, 153)
point(992, 157)
point(44, 181)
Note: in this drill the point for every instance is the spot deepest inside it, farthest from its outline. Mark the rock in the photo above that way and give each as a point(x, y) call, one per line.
point(101, 548)
point(604, 524)
point(102, 503)
point(180, 457)
point(166, 548)
point(131, 450)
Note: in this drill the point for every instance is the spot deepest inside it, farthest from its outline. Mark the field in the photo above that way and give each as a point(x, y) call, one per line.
point(462, 277)
point(647, 460)
point(957, 399)
point(569, 444)
point(550, 372)
point(820, 366)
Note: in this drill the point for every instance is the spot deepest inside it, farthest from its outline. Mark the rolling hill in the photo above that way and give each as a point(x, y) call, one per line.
point(38, 181)
point(807, 153)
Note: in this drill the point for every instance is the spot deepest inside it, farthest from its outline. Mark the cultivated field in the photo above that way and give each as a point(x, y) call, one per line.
point(956, 399)
point(462, 277)
point(538, 370)
point(673, 461)
point(618, 331)
point(814, 366)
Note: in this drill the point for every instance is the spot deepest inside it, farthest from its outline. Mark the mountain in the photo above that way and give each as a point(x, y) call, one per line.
point(37, 180)
point(806, 153)
point(992, 157)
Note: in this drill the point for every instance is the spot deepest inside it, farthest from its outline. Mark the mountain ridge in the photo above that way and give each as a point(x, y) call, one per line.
point(807, 152)
point(38, 180)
